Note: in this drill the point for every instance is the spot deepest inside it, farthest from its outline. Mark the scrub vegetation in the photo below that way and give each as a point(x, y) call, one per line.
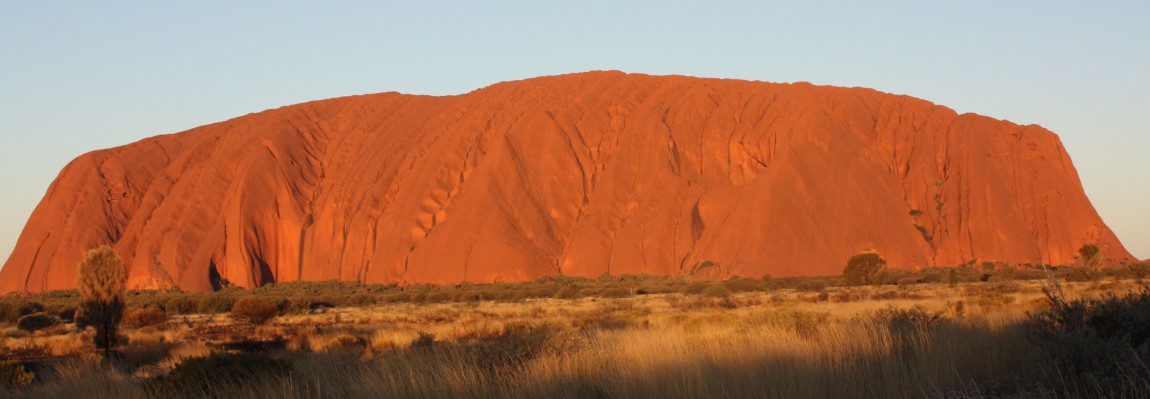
point(973, 331)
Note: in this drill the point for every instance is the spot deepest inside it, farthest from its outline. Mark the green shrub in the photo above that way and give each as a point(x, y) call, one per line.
point(863, 268)
point(888, 277)
point(1029, 274)
point(404, 296)
point(743, 285)
point(144, 317)
point(254, 310)
point(436, 297)
point(811, 285)
point(1005, 273)
point(615, 292)
point(9, 312)
point(66, 313)
point(570, 291)
point(30, 307)
point(1077, 274)
point(1139, 270)
point(768, 282)
point(847, 295)
point(36, 322)
point(177, 304)
point(361, 300)
point(12, 309)
point(217, 302)
point(694, 288)
point(906, 281)
point(717, 291)
point(1091, 256)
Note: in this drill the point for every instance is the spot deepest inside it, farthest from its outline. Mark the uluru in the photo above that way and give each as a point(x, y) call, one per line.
point(580, 175)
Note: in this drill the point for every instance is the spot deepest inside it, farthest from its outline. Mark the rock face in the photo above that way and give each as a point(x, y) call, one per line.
point(583, 174)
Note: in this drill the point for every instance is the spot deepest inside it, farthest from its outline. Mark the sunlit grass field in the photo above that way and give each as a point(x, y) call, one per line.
point(943, 340)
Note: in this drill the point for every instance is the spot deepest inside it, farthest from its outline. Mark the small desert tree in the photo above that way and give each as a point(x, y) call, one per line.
point(1091, 257)
point(862, 268)
point(102, 280)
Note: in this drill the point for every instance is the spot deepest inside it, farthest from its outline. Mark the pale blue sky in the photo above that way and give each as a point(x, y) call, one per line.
point(78, 76)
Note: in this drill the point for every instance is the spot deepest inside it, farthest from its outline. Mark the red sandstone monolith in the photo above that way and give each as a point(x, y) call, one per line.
point(582, 174)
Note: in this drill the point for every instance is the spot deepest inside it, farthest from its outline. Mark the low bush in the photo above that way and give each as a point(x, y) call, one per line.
point(615, 292)
point(1077, 274)
point(567, 292)
point(694, 288)
point(65, 312)
point(743, 285)
point(1139, 270)
point(30, 307)
point(904, 281)
point(768, 282)
point(891, 277)
point(811, 285)
point(177, 305)
point(9, 312)
point(255, 310)
point(36, 321)
point(933, 277)
point(1098, 344)
point(137, 318)
point(1030, 274)
point(214, 303)
point(717, 291)
point(848, 295)
point(12, 309)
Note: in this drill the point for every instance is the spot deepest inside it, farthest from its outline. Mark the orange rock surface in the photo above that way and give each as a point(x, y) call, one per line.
point(582, 174)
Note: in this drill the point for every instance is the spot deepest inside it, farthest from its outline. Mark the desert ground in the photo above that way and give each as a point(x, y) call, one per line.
point(925, 335)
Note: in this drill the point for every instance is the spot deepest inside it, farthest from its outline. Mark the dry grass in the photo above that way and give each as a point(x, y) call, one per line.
point(781, 344)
